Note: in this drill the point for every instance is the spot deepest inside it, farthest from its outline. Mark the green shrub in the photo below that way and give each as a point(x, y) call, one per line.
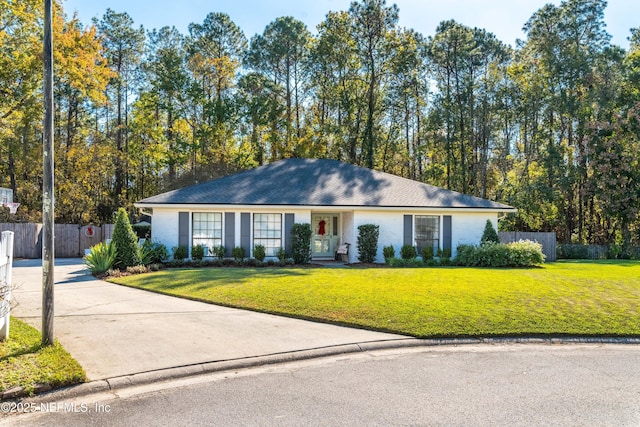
point(179, 252)
point(126, 242)
point(259, 252)
point(517, 254)
point(404, 262)
point(525, 253)
point(152, 253)
point(572, 251)
point(368, 242)
point(427, 253)
point(388, 252)
point(300, 243)
point(219, 251)
point(444, 253)
point(238, 253)
point(282, 255)
point(490, 235)
point(197, 253)
point(252, 262)
point(615, 252)
point(101, 257)
point(408, 252)
point(445, 262)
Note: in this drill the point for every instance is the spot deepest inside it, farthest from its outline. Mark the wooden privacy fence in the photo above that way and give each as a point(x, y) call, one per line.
point(71, 240)
point(547, 240)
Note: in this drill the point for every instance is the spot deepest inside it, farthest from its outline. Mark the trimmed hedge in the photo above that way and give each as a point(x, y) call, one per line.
point(197, 252)
point(388, 252)
point(408, 252)
point(300, 243)
point(368, 242)
point(524, 253)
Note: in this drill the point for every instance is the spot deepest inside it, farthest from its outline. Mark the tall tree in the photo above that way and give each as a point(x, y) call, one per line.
point(338, 92)
point(372, 23)
point(169, 80)
point(215, 50)
point(408, 90)
point(125, 47)
point(565, 43)
point(279, 53)
point(20, 88)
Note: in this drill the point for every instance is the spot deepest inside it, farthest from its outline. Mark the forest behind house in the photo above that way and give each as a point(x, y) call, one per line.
point(550, 126)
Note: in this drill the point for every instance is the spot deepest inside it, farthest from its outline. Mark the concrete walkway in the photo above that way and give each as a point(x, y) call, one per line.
point(115, 331)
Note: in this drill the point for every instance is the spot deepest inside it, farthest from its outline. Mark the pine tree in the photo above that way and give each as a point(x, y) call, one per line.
point(126, 241)
point(489, 235)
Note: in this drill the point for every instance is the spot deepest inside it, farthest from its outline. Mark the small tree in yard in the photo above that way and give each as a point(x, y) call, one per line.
point(301, 243)
point(490, 235)
point(126, 242)
point(368, 242)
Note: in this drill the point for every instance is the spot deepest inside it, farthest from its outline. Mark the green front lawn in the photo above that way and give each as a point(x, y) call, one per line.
point(26, 363)
point(577, 298)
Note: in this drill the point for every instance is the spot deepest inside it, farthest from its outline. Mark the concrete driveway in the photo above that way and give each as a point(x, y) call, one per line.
point(114, 331)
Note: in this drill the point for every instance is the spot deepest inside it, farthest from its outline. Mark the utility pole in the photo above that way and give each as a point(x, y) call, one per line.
point(48, 201)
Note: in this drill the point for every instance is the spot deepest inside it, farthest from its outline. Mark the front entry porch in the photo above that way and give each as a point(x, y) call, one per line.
point(326, 235)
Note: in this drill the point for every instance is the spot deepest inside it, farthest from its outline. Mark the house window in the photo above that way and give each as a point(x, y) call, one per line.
point(207, 230)
point(427, 232)
point(267, 231)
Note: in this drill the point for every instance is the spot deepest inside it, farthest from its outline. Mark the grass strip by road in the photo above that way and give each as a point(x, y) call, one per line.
point(564, 298)
point(25, 363)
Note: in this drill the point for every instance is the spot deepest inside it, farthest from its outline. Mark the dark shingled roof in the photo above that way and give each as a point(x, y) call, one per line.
point(319, 182)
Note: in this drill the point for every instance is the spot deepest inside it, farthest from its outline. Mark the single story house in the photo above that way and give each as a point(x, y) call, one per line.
point(260, 206)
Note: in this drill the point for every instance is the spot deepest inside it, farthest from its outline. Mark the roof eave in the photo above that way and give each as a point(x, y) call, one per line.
point(200, 206)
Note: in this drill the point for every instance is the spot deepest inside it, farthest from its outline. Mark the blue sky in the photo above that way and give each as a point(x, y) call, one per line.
point(504, 18)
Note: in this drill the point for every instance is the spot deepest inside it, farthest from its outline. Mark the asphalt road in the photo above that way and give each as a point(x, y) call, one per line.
point(475, 385)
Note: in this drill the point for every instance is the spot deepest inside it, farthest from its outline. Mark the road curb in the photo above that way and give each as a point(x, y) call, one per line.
point(142, 378)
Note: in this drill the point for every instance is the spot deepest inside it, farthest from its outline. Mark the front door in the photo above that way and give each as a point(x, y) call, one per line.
point(325, 235)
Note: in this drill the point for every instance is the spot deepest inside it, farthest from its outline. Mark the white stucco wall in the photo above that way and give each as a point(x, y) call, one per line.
point(349, 235)
point(164, 227)
point(391, 228)
point(466, 227)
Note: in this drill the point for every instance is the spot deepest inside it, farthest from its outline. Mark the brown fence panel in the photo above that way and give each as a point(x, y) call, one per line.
point(90, 235)
point(107, 231)
point(547, 240)
point(66, 240)
point(27, 239)
point(70, 239)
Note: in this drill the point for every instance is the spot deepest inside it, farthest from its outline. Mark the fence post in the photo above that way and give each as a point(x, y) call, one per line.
point(6, 263)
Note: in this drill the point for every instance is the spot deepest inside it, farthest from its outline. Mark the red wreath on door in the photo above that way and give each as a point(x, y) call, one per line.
point(321, 225)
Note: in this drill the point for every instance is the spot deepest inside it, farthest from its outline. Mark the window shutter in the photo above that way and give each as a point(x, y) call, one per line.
point(183, 229)
point(288, 226)
point(446, 232)
point(245, 232)
point(408, 230)
point(229, 231)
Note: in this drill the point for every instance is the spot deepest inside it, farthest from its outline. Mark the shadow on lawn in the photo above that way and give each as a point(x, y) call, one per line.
point(201, 278)
point(33, 348)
